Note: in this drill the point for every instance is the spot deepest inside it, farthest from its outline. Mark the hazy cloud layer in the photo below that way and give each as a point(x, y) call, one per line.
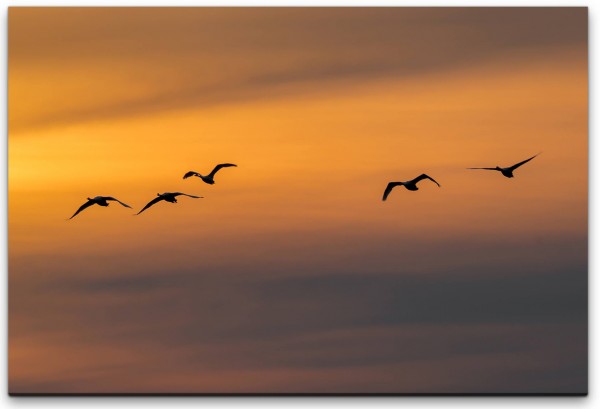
point(497, 321)
point(215, 56)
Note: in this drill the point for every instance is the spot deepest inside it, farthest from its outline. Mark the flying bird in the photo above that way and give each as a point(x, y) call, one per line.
point(169, 197)
point(99, 200)
point(210, 178)
point(410, 185)
point(508, 172)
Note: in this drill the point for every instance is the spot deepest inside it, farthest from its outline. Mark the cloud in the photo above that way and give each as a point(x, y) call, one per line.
point(503, 328)
point(155, 60)
point(184, 309)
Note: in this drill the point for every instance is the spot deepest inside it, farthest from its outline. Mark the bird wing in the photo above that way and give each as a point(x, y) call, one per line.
point(513, 167)
point(484, 168)
point(151, 203)
point(190, 173)
point(185, 194)
point(83, 207)
point(117, 200)
point(218, 167)
point(424, 176)
point(389, 188)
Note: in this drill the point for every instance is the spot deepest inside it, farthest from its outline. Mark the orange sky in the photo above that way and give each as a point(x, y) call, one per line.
point(319, 108)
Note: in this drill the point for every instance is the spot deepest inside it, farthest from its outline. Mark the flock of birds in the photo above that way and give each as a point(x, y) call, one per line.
point(412, 184)
point(170, 197)
point(210, 179)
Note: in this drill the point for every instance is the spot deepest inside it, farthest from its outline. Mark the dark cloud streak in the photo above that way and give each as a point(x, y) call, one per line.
point(195, 63)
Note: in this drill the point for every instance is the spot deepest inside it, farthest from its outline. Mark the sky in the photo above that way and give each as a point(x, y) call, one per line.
point(291, 275)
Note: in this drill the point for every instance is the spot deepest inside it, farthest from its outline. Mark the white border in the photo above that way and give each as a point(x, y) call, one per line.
point(406, 402)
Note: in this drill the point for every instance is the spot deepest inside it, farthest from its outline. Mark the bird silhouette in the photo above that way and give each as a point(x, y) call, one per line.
point(169, 197)
point(210, 178)
point(99, 200)
point(410, 185)
point(508, 171)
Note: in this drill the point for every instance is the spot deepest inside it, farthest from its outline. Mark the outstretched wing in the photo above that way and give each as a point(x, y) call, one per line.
point(117, 200)
point(484, 168)
point(513, 167)
point(389, 188)
point(424, 176)
point(190, 174)
point(218, 167)
point(83, 207)
point(151, 203)
point(185, 194)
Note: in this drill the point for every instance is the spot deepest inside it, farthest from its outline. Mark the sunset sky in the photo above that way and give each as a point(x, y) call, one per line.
point(291, 275)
